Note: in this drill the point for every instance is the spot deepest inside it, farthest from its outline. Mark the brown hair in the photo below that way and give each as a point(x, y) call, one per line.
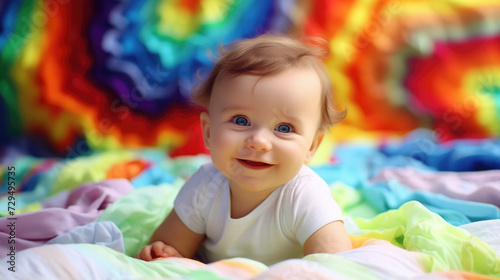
point(268, 55)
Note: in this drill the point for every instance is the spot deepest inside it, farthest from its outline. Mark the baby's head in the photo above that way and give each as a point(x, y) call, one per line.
point(269, 55)
point(269, 101)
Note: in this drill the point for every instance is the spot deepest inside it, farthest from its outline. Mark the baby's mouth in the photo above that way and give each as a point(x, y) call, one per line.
point(254, 164)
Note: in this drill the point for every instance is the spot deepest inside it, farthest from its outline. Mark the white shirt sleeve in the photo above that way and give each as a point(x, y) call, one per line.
point(312, 206)
point(191, 204)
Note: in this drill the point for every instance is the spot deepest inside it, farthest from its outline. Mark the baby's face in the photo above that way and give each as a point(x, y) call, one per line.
point(261, 130)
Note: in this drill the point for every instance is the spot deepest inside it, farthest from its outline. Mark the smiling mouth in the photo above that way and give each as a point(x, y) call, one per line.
point(254, 164)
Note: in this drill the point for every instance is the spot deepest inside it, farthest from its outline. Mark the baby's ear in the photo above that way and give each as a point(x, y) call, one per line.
point(314, 146)
point(205, 128)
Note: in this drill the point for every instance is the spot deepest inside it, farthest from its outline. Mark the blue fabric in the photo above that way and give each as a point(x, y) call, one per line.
point(387, 196)
point(358, 164)
point(458, 155)
point(99, 233)
point(154, 175)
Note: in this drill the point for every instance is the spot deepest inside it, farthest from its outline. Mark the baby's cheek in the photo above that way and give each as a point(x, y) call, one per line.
point(290, 149)
point(224, 139)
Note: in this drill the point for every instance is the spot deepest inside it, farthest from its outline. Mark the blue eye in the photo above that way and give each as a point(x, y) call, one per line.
point(284, 128)
point(241, 121)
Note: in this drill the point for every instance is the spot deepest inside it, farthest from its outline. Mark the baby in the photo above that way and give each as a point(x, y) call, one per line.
point(269, 101)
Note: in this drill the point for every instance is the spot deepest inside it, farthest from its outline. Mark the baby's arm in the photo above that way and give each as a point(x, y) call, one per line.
point(171, 239)
point(331, 238)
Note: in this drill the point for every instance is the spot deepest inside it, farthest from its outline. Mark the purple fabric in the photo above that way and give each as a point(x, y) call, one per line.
point(479, 186)
point(83, 205)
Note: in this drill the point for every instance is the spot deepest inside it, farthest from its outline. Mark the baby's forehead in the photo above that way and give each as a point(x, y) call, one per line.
point(282, 93)
point(289, 75)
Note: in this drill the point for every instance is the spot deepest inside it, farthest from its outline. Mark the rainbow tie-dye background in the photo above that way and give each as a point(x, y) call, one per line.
point(78, 76)
point(97, 133)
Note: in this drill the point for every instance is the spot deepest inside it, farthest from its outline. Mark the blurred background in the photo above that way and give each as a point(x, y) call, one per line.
point(83, 76)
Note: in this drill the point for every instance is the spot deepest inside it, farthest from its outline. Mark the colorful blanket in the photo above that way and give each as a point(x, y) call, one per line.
point(75, 220)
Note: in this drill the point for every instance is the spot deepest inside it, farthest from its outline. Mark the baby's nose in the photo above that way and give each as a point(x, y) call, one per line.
point(259, 140)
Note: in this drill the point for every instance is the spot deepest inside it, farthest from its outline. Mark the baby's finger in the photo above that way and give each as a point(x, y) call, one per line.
point(145, 253)
point(158, 249)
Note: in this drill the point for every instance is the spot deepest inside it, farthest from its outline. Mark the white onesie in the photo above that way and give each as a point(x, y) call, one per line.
point(274, 231)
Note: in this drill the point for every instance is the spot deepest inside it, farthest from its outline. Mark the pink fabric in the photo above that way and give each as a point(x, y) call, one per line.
point(83, 205)
point(480, 186)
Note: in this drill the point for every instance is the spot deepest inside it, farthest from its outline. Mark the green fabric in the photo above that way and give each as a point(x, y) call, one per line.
point(84, 169)
point(351, 201)
point(140, 212)
point(343, 266)
point(445, 247)
point(204, 274)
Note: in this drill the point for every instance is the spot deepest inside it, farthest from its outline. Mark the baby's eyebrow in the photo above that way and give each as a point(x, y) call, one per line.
point(233, 108)
point(285, 114)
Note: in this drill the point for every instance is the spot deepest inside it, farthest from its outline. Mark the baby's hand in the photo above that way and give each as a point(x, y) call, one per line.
point(156, 250)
